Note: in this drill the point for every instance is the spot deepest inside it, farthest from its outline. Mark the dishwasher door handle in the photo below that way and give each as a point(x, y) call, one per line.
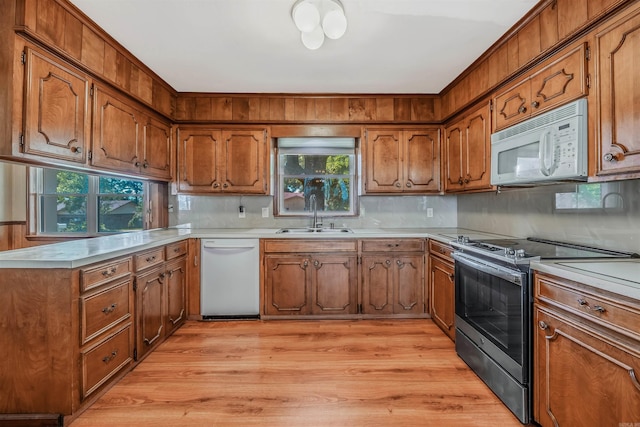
point(209, 246)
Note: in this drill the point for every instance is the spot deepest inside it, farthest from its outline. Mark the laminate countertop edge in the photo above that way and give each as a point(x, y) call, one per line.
point(82, 252)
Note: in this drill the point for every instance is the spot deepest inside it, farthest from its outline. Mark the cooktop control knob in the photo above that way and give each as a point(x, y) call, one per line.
point(520, 253)
point(509, 251)
point(463, 239)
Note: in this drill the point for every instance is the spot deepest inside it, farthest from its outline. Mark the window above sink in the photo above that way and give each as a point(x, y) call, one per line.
point(324, 167)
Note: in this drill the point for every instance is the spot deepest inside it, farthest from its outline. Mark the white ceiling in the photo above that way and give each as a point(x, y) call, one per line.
point(252, 46)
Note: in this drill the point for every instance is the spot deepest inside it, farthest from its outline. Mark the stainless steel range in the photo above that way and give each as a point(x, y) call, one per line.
point(493, 306)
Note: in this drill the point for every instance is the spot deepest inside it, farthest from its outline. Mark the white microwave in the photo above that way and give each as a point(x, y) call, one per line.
point(551, 147)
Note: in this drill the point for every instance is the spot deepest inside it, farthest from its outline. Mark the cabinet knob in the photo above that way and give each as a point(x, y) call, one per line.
point(535, 104)
point(460, 181)
point(77, 150)
point(136, 164)
point(408, 184)
point(216, 185)
point(398, 184)
point(388, 262)
point(613, 157)
point(316, 263)
point(145, 164)
point(522, 109)
point(225, 185)
point(542, 325)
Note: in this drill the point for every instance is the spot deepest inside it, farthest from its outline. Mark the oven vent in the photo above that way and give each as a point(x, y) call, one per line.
point(578, 107)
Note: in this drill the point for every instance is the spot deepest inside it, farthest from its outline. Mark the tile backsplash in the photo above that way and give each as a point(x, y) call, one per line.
point(603, 215)
point(375, 212)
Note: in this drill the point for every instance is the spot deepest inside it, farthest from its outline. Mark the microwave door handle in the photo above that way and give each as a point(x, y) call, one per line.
point(544, 153)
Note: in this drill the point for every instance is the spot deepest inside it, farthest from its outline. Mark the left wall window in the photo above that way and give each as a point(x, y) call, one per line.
point(78, 204)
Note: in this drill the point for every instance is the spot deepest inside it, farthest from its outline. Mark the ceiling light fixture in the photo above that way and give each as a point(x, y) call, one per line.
point(319, 18)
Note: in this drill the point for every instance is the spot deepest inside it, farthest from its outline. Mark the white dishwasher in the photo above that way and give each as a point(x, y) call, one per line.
point(229, 279)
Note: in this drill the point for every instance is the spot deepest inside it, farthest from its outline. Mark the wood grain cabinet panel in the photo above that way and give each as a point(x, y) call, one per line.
point(287, 285)
point(392, 273)
point(402, 161)
point(176, 294)
point(333, 284)
point(442, 296)
point(127, 139)
point(106, 308)
point(586, 355)
point(618, 95)
point(230, 161)
point(556, 82)
point(150, 310)
point(467, 151)
point(56, 109)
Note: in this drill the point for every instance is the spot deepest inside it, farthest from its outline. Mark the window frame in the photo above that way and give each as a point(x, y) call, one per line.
point(310, 144)
point(35, 184)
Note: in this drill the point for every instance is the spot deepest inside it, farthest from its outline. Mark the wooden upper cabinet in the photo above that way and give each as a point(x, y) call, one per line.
point(245, 161)
point(554, 83)
point(128, 140)
point(402, 161)
point(157, 149)
point(216, 161)
point(618, 95)
point(467, 152)
point(56, 111)
point(117, 133)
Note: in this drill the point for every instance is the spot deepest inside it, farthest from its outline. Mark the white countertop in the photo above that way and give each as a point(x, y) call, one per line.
point(620, 276)
point(82, 252)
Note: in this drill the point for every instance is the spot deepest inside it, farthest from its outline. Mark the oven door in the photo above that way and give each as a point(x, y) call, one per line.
point(491, 306)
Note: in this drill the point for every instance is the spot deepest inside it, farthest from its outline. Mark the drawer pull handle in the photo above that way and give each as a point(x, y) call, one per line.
point(110, 272)
point(176, 250)
point(599, 308)
point(109, 358)
point(151, 258)
point(110, 309)
point(582, 302)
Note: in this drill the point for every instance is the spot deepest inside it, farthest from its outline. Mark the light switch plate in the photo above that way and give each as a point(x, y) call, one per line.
point(265, 212)
point(429, 212)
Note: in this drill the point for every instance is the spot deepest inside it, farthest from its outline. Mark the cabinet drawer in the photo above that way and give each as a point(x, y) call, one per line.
point(441, 250)
point(174, 250)
point(600, 309)
point(95, 276)
point(101, 311)
point(104, 360)
point(393, 245)
point(294, 245)
point(149, 258)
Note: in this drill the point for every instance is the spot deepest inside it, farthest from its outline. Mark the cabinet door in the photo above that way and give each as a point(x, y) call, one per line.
point(453, 149)
point(197, 160)
point(442, 296)
point(56, 122)
point(582, 378)
point(618, 95)
point(422, 160)
point(561, 81)
point(150, 312)
point(287, 285)
point(477, 150)
point(409, 284)
point(383, 150)
point(377, 286)
point(333, 284)
point(157, 150)
point(513, 105)
point(117, 128)
point(176, 294)
point(243, 164)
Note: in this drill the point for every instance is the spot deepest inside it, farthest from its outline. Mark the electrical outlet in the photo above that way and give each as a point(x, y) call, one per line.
point(429, 212)
point(265, 212)
point(241, 212)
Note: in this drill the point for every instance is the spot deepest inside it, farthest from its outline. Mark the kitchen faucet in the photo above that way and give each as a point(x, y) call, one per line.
point(313, 202)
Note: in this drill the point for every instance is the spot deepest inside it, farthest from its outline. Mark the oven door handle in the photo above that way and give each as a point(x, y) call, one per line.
point(493, 270)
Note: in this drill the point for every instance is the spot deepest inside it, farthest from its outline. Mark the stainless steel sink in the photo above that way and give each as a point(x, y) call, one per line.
point(324, 230)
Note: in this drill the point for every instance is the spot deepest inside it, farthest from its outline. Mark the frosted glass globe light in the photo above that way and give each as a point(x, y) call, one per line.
point(334, 23)
point(306, 16)
point(314, 39)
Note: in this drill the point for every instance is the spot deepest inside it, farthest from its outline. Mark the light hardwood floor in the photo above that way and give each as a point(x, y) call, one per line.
point(301, 373)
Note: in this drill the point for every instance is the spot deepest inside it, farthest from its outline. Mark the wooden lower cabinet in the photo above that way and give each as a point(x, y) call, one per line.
point(310, 284)
point(176, 277)
point(586, 356)
point(150, 297)
point(393, 281)
point(442, 295)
